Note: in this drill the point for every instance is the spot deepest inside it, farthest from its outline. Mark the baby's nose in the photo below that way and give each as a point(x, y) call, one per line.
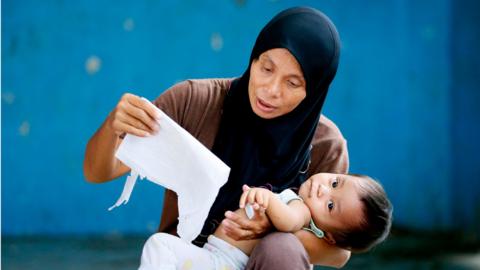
point(322, 190)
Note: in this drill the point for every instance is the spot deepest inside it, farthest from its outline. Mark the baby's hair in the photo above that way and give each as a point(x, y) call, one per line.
point(377, 218)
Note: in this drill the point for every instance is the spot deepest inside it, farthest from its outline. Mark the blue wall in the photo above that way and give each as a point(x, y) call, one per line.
point(406, 97)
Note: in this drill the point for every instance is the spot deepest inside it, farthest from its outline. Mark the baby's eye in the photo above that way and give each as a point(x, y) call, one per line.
point(334, 182)
point(330, 205)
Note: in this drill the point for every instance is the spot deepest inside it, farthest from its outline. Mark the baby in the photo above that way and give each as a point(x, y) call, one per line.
point(349, 211)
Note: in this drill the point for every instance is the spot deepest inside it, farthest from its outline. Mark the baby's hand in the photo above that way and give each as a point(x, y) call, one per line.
point(257, 197)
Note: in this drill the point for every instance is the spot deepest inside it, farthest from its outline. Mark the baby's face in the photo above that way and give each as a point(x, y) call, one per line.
point(336, 202)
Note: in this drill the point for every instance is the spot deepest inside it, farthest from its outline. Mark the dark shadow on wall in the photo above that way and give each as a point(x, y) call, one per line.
point(465, 102)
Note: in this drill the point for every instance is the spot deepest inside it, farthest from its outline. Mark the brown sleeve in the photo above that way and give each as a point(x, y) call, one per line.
point(172, 101)
point(329, 152)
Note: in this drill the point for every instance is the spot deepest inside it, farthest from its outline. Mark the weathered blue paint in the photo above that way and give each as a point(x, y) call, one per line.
point(406, 97)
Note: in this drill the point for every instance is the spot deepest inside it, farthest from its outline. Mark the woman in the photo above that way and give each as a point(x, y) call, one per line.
point(266, 125)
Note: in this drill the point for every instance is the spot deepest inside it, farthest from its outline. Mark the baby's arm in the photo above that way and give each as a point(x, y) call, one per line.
point(289, 217)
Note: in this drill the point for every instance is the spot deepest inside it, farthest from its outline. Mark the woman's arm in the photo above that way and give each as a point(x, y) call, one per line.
point(100, 164)
point(322, 253)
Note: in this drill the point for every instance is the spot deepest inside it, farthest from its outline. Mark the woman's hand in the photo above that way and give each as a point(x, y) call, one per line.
point(239, 227)
point(134, 115)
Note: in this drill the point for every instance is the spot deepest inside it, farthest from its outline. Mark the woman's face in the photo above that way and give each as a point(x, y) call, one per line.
point(276, 85)
point(337, 204)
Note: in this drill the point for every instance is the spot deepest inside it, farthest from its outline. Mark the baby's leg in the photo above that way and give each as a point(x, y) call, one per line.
point(167, 252)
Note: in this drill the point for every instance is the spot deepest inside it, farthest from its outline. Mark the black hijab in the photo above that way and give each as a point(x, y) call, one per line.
point(275, 152)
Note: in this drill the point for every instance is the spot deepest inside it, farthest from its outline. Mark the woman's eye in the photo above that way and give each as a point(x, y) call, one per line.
point(292, 84)
point(330, 205)
point(266, 69)
point(334, 183)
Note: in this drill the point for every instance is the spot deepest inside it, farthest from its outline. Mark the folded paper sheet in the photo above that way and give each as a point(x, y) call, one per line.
point(175, 160)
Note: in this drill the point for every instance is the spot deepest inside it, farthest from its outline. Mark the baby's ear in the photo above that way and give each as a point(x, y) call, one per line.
point(329, 238)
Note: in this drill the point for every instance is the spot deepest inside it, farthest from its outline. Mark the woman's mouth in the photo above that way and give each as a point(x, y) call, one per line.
point(264, 106)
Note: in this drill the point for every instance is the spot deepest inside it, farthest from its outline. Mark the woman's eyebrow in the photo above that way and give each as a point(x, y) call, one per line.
point(298, 77)
point(267, 58)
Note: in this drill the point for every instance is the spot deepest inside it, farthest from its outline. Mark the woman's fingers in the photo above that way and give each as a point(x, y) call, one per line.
point(237, 227)
point(239, 220)
point(140, 115)
point(235, 232)
point(143, 111)
point(134, 115)
point(145, 105)
point(242, 228)
point(124, 123)
point(132, 121)
point(124, 128)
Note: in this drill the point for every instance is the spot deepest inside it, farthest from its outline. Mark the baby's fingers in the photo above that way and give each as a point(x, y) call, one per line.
point(265, 200)
point(243, 199)
point(252, 194)
point(259, 198)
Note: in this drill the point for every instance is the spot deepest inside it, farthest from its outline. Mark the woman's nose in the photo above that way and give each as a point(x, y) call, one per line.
point(274, 88)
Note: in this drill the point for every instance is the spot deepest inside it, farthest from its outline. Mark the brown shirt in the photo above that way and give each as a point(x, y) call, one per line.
point(196, 105)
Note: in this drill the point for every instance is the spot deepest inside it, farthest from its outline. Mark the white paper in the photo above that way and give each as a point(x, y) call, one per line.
point(127, 190)
point(249, 211)
point(175, 160)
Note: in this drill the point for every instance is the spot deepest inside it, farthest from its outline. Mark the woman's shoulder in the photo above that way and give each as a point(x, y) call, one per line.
point(196, 105)
point(213, 84)
point(327, 129)
point(202, 87)
point(329, 151)
point(193, 93)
